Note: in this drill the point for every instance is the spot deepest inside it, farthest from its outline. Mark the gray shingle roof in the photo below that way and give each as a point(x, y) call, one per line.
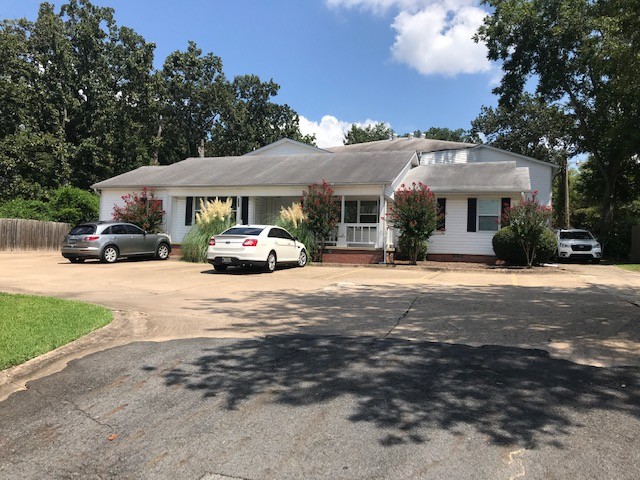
point(377, 168)
point(485, 177)
point(402, 144)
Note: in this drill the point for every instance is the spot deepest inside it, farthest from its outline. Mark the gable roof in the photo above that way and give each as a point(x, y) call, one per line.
point(272, 148)
point(402, 144)
point(517, 155)
point(377, 168)
point(485, 177)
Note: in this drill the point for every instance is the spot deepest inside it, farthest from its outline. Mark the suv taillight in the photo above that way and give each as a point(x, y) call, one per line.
point(250, 242)
point(212, 241)
point(91, 239)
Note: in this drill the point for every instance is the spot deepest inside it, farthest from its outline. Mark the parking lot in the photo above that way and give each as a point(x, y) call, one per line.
point(329, 371)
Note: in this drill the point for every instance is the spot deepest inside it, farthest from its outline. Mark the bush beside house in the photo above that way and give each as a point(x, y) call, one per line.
point(215, 217)
point(508, 247)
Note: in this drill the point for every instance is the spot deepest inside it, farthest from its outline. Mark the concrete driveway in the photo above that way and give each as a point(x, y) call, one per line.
point(330, 372)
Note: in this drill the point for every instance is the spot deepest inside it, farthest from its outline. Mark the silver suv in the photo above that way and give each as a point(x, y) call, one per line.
point(577, 243)
point(109, 241)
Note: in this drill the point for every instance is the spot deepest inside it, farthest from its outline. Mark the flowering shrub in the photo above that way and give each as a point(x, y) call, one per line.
point(322, 213)
point(508, 248)
point(415, 214)
point(215, 217)
point(143, 210)
point(528, 221)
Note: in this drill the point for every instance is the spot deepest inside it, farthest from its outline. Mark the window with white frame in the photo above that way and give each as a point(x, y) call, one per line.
point(488, 215)
point(361, 211)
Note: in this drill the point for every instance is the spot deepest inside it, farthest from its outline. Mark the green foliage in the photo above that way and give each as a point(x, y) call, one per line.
point(368, 133)
point(143, 210)
point(29, 209)
point(528, 220)
point(81, 102)
point(322, 212)
point(415, 214)
point(449, 135)
point(404, 249)
point(73, 205)
point(196, 241)
point(507, 246)
point(31, 326)
point(582, 56)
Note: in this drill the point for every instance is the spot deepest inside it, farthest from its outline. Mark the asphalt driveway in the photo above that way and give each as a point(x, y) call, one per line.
point(329, 372)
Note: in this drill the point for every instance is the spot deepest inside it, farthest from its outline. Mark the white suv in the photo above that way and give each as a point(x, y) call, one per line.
point(576, 243)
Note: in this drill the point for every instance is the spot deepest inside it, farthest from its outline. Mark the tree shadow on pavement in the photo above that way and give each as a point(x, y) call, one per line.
point(406, 389)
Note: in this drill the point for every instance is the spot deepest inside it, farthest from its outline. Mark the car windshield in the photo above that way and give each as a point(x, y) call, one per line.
point(576, 236)
point(83, 230)
point(243, 231)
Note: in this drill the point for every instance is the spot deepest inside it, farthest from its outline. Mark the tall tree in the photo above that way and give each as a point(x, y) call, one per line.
point(368, 133)
point(250, 120)
point(447, 134)
point(582, 55)
point(193, 90)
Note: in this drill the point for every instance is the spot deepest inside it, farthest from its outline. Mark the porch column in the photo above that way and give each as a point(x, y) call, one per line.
point(168, 214)
point(341, 241)
point(382, 225)
point(252, 210)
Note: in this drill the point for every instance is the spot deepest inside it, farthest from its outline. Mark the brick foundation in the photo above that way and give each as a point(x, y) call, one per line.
point(352, 256)
point(460, 257)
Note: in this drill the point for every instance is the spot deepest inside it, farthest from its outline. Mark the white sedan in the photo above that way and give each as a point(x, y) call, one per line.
point(255, 246)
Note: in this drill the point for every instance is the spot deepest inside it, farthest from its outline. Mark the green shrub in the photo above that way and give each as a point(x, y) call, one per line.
point(508, 248)
point(404, 249)
point(28, 209)
point(73, 205)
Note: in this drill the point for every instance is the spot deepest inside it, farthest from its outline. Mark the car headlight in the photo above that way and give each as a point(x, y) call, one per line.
point(564, 245)
point(598, 246)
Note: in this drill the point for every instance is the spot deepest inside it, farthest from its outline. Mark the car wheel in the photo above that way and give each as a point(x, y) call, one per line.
point(162, 252)
point(76, 260)
point(220, 268)
point(302, 259)
point(109, 254)
point(270, 266)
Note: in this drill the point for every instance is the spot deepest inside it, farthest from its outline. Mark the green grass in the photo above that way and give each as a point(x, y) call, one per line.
point(31, 326)
point(634, 267)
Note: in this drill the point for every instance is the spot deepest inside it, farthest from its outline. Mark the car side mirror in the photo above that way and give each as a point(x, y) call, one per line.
point(296, 239)
point(145, 232)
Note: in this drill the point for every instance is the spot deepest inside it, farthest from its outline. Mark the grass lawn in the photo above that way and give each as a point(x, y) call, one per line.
point(634, 267)
point(31, 326)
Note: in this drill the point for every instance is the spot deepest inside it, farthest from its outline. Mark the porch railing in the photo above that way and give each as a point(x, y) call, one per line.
point(361, 235)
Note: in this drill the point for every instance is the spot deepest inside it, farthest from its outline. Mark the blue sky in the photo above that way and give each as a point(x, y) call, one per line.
point(409, 63)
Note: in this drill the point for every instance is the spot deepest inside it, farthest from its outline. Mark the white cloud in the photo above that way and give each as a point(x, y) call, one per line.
point(329, 131)
point(432, 36)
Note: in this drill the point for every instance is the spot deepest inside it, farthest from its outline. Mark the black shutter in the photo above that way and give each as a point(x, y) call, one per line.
point(188, 214)
point(472, 210)
point(442, 212)
point(245, 210)
point(505, 204)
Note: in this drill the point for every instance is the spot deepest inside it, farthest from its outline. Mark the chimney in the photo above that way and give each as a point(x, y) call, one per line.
point(409, 136)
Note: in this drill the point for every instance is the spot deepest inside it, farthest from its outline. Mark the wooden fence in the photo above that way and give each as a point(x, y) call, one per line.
point(18, 234)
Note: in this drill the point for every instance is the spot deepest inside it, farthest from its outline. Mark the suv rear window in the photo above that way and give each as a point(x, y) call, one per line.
point(243, 231)
point(83, 230)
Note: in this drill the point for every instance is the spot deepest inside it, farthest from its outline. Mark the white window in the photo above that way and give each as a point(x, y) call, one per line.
point(488, 215)
point(361, 211)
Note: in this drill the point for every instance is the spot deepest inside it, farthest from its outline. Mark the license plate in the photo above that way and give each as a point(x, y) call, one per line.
point(70, 242)
point(226, 259)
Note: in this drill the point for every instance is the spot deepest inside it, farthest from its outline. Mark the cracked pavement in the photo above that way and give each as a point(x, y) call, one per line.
point(329, 372)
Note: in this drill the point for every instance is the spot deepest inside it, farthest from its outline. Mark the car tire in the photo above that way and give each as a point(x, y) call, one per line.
point(76, 260)
point(220, 268)
point(302, 259)
point(272, 262)
point(596, 260)
point(162, 252)
point(109, 254)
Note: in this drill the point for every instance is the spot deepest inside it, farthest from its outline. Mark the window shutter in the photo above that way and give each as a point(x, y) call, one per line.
point(505, 204)
point(442, 212)
point(472, 213)
point(188, 214)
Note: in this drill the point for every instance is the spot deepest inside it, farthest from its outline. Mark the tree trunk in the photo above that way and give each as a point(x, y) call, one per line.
point(608, 202)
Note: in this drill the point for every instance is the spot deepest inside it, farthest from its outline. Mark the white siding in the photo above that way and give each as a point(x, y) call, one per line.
point(541, 175)
point(178, 228)
point(456, 239)
point(109, 199)
point(446, 156)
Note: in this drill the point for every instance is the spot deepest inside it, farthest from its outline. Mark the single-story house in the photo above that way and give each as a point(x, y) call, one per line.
point(472, 183)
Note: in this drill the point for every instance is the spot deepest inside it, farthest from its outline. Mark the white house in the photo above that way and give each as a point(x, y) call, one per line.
point(472, 184)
